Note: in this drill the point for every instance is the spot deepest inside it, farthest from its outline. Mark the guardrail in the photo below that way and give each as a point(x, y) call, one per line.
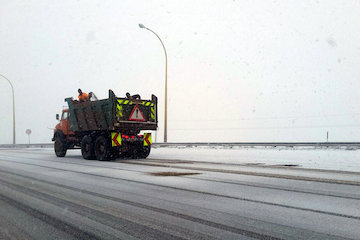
point(286, 145)
point(34, 145)
point(352, 145)
point(266, 144)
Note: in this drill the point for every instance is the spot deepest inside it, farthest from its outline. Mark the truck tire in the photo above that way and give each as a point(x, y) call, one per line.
point(144, 152)
point(124, 154)
point(115, 153)
point(60, 146)
point(103, 149)
point(137, 151)
point(87, 148)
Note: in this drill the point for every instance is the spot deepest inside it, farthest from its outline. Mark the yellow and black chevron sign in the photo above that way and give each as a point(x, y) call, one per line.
point(120, 110)
point(124, 102)
point(147, 103)
point(129, 102)
point(121, 102)
point(152, 113)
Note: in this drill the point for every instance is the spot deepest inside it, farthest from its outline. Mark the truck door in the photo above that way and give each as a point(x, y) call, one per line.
point(64, 123)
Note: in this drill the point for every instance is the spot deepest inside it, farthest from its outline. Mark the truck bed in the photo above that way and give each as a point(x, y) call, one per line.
point(113, 114)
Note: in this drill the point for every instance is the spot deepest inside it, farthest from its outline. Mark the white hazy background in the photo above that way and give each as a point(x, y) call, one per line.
point(238, 70)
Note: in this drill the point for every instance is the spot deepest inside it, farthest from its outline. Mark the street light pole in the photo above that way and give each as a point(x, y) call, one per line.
point(13, 98)
point(165, 114)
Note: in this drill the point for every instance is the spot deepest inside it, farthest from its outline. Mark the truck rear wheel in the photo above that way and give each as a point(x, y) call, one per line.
point(144, 152)
point(137, 151)
point(87, 148)
point(103, 149)
point(60, 146)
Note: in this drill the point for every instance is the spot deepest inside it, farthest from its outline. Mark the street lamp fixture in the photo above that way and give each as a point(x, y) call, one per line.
point(165, 114)
point(13, 99)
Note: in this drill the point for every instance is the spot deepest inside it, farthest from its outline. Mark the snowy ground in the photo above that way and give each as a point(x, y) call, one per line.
point(332, 159)
point(344, 159)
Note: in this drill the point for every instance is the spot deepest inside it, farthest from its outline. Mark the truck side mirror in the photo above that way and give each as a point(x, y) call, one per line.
point(57, 116)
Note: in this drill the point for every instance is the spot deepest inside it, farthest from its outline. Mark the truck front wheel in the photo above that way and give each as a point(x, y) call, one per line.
point(60, 146)
point(103, 149)
point(87, 148)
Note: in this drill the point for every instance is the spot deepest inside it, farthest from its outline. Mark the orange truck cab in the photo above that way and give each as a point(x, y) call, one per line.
point(64, 124)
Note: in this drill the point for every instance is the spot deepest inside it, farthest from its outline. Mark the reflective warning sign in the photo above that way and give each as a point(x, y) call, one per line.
point(147, 139)
point(136, 114)
point(115, 139)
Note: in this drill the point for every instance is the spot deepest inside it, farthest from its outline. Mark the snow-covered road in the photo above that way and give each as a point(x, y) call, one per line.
point(219, 194)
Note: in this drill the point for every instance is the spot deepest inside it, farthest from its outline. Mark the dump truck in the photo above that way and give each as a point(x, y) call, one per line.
point(106, 129)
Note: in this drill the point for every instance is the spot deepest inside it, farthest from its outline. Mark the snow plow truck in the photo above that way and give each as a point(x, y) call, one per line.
point(106, 129)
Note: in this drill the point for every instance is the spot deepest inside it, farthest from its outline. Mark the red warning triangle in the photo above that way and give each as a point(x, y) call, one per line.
point(136, 114)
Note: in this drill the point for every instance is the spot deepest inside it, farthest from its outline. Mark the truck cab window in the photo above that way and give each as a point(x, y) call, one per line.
point(64, 116)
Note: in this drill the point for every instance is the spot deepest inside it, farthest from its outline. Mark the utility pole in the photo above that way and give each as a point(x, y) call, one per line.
point(165, 114)
point(13, 100)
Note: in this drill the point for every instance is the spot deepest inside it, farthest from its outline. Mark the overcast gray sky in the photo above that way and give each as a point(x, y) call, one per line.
point(238, 70)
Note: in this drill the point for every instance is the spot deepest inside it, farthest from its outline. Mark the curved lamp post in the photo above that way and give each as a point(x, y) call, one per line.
point(13, 98)
point(165, 117)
